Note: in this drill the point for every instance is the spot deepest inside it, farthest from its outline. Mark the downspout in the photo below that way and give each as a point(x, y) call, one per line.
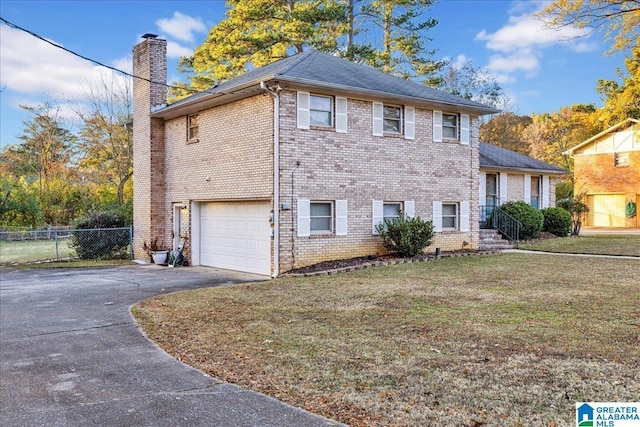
point(276, 177)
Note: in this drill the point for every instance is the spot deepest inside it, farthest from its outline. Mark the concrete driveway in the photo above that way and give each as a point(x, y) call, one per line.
point(72, 355)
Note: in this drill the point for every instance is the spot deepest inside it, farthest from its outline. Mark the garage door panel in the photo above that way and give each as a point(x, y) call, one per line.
point(236, 235)
point(606, 210)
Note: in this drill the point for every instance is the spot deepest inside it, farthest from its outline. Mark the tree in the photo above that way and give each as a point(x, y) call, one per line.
point(577, 208)
point(622, 100)
point(46, 154)
point(619, 18)
point(105, 137)
point(472, 83)
point(402, 49)
point(387, 34)
point(506, 130)
point(257, 32)
point(552, 134)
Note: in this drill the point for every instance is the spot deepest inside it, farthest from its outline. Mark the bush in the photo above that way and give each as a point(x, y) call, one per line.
point(556, 221)
point(101, 236)
point(406, 237)
point(530, 218)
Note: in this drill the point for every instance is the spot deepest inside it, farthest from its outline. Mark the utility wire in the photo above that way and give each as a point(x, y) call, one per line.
point(12, 25)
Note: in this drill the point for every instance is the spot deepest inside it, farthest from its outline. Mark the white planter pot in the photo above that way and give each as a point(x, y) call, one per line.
point(160, 257)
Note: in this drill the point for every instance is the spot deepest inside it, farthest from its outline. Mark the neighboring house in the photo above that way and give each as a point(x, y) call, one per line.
point(507, 176)
point(296, 162)
point(607, 170)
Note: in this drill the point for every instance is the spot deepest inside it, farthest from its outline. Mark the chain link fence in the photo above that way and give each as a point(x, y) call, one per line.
point(61, 244)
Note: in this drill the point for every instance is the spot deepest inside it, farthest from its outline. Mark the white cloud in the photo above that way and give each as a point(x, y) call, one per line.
point(525, 31)
point(181, 26)
point(524, 60)
point(32, 67)
point(175, 50)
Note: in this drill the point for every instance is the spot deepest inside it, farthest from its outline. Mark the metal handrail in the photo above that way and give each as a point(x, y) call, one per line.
point(496, 218)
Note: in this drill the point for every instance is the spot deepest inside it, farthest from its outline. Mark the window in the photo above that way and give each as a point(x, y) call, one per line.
point(492, 190)
point(621, 159)
point(449, 126)
point(449, 216)
point(391, 211)
point(535, 192)
point(321, 217)
point(392, 119)
point(321, 110)
point(192, 128)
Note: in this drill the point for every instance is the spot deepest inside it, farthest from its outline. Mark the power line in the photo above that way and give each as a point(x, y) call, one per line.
point(17, 27)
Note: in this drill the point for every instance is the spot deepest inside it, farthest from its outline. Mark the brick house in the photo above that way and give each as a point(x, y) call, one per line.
point(507, 176)
point(607, 169)
point(296, 162)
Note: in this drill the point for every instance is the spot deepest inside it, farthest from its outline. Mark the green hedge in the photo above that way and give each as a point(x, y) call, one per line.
point(530, 218)
point(557, 221)
point(406, 237)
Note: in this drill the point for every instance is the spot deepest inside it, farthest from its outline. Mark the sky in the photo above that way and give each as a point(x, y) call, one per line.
point(539, 69)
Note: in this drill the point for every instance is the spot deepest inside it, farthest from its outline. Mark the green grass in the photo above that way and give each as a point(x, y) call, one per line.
point(601, 244)
point(21, 251)
point(504, 340)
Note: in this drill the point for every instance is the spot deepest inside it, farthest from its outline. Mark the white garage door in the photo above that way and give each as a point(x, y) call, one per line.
point(236, 236)
point(606, 210)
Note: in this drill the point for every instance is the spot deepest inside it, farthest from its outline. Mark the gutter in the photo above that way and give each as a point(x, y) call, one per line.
point(276, 176)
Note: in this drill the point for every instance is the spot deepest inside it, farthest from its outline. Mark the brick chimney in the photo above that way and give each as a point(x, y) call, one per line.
point(149, 216)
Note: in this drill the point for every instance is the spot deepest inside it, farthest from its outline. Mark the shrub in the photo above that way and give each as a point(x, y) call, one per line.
point(530, 218)
point(556, 221)
point(101, 236)
point(406, 237)
point(577, 209)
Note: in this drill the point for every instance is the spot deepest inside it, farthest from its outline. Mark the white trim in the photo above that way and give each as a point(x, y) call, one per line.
point(195, 233)
point(482, 190)
point(437, 216)
point(527, 189)
point(304, 218)
point(303, 106)
point(465, 132)
point(409, 209)
point(464, 216)
point(546, 200)
point(341, 218)
point(409, 123)
point(341, 115)
point(503, 188)
point(437, 126)
point(377, 115)
point(377, 216)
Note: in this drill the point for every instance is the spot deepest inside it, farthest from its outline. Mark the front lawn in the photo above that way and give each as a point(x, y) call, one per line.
point(603, 244)
point(500, 340)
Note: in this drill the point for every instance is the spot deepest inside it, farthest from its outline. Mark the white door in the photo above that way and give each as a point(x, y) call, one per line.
point(606, 210)
point(236, 236)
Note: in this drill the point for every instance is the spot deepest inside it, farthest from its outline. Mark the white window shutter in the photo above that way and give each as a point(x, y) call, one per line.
point(464, 216)
point(409, 209)
point(341, 218)
point(409, 123)
point(341, 115)
point(378, 121)
point(303, 110)
point(527, 189)
point(437, 126)
point(304, 218)
point(546, 202)
point(503, 188)
point(483, 189)
point(378, 215)
point(437, 216)
point(465, 130)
